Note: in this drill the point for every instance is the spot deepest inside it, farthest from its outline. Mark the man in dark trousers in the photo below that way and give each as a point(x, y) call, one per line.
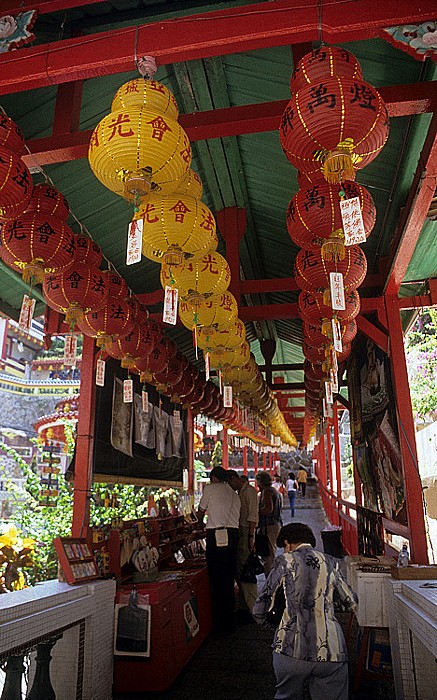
point(222, 507)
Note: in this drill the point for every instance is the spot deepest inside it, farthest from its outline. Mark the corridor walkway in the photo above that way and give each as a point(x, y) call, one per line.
point(239, 666)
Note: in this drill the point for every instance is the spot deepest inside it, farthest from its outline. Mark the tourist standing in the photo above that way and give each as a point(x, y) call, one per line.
point(302, 480)
point(269, 516)
point(291, 486)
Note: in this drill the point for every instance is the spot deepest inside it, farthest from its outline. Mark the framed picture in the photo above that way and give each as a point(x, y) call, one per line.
point(132, 630)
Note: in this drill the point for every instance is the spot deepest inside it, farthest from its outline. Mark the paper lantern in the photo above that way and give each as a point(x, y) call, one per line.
point(138, 313)
point(75, 291)
point(336, 125)
point(37, 243)
point(195, 396)
point(111, 322)
point(139, 343)
point(175, 228)
point(199, 280)
point(191, 184)
point(225, 338)
point(48, 200)
point(325, 62)
point(312, 272)
point(15, 185)
point(11, 136)
point(314, 216)
point(235, 357)
point(317, 336)
point(138, 148)
point(153, 362)
point(216, 313)
point(207, 400)
point(87, 252)
point(116, 285)
point(172, 373)
point(185, 385)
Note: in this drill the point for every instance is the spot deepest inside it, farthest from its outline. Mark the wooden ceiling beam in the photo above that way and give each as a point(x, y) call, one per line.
point(190, 37)
point(401, 101)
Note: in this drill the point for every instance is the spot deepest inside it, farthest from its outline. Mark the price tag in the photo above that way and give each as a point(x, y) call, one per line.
point(145, 401)
point(70, 349)
point(26, 313)
point(128, 391)
point(227, 396)
point(337, 291)
point(352, 219)
point(207, 366)
point(170, 313)
point(100, 373)
point(134, 242)
point(336, 336)
point(328, 392)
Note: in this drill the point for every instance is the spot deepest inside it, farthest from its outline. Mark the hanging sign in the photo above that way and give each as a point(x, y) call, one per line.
point(70, 349)
point(227, 396)
point(337, 291)
point(145, 401)
point(334, 361)
point(100, 373)
point(336, 335)
point(170, 314)
point(334, 381)
point(26, 313)
point(220, 381)
point(207, 366)
point(325, 408)
point(134, 242)
point(328, 392)
point(352, 219)
point(128, 391)
point(177, 415)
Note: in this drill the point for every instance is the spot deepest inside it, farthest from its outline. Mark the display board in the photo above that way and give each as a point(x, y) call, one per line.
point(133, 445)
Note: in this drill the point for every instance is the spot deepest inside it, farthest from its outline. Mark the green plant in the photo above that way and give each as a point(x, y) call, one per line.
point(421, 349)
point(217, 456)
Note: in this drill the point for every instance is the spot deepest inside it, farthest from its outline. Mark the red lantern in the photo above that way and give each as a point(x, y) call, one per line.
point(317, 337)
point(195, 396)
point(314, 216)
point(109, 323)
point(172, 373)
point(185, 385)
point(76, 291)
point(15, 185)
point(116, 284)
point(48, 201)
point(138, 312)
point(139, 343)
point(87, 252)
point(312, 272)
point(315, 354)
point(205, 403)
point(336, 125)
point(154, 362)
point(11, 136)
point(325, 62)
point(312, 309)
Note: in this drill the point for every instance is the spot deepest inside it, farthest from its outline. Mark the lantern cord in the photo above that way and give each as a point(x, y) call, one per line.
point(146, 65)
point(319, 21)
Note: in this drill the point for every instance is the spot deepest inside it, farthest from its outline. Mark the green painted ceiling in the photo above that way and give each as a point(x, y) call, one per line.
point(247, 171)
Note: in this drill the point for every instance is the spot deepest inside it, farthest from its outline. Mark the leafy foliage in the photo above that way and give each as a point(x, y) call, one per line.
point(217, 455)
point(422, 365)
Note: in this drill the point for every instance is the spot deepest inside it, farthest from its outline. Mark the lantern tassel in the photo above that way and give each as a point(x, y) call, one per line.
point(338, 164)
point(128, 362)
point(74, 315)
point(327, 297)
point(33, 273)
point(333, 248)
point(326, 327)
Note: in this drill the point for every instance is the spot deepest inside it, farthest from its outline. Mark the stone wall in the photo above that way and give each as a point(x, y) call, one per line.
point(22, 411)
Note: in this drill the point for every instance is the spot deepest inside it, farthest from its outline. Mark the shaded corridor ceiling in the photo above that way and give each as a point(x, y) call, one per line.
point(228, 65)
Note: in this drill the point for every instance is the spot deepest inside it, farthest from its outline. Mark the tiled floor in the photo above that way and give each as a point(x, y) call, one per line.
point(239, 667)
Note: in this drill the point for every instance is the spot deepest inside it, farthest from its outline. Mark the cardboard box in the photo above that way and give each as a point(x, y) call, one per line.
point(414, 572)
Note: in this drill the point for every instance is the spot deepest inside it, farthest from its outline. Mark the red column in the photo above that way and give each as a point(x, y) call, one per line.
point(329, 451)
point(407, 436)
point(225, 449)
point(322, 460)
point(337, 454)
point(231, 223)
point(265, 461)
point(190, 426)
point(245, 448)
point(255, 462)
point(84, 442)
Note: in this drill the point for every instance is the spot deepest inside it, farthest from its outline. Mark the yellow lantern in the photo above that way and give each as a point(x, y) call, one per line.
point(216, 313)
point(231, 337)
point(137, 149)
point(176, 228)
point(235, 357)
point(191, 184)
point(151, 94)
point(239, 377)
point(198, 280)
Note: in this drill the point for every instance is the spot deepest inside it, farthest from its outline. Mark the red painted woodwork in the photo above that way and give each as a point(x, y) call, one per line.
point(231, 222)
point(407, 437)
point(67, 108)
point(225, 449)
point(337, 452)
point(378, 336)
point(190, 419)
point(228, 31)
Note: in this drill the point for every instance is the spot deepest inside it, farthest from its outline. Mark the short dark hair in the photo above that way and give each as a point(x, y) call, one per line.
point(231, 474)
point(291, 475)
point(264, 479)
point(296, 533)
point(219, 473)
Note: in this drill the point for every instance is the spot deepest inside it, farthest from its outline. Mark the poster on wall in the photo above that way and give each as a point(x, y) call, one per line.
point(373, 373)
point(191, 618)
point(121, 423)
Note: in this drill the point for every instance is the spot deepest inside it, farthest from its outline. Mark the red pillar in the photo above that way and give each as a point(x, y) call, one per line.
point(255, 462)
point(407, 435)
point(245, 448)
point(190, 421)
point(265, 461)
point(337, 453)
point(225, 449)
point(322, 460)
point(329, 451)
point(231, 223)
point(83, 470)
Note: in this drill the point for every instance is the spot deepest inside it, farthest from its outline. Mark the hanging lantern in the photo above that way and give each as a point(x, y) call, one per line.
point(207, 400)
point(216, 313)
point(172, 373)
point(116, 285)
point(316, 335)
point(138, 313)
point(335, 125)
point(325, 62)
point(235, 357)
point(198, 280)
point(190, 184)
point(176, 228)
point(312, 272)
point(312, 309)
point(185, 385)
point(11, 136)
point(46, 199)
point(111, 322)
point(156, 361)
point(314, 216)
point(15, 185)
point(37, 243)
point(139, 343)
point(226, 338)
point(140, 147)
point(87, 252)
point(75, 292)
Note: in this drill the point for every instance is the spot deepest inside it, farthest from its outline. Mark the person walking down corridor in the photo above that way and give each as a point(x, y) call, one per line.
point(292, 487)
point(269, 515)
point(302, 480)
point(309, 646)
point(222, 506)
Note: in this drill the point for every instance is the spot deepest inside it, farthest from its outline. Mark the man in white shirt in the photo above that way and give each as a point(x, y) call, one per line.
point(246, 542)
point(222, 506)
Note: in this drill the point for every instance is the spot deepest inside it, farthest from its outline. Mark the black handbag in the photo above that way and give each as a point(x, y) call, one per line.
point(251, 569)
point(262, 545)
point(274, 615)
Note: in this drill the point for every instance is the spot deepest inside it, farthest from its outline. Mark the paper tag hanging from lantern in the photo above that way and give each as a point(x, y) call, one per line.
point(334, 381)
point(336, 336)
point(227, 396)
point(328, 393)
point(207, 366)
point(170, 313)
point(100, 373)
point(134, 242)
point(352, 219)
point(145, 401)
point(177, 415)
point(70, 349)
point(334, 361)
point(128, 391)
point(337, 291)
point(325, 408)
point(26, 313)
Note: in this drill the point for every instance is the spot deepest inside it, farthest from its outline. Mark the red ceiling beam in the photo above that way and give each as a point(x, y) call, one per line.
point(237, 29)
point(414, 213)
point(401, 100)
point(44, 7)
point(372, 332)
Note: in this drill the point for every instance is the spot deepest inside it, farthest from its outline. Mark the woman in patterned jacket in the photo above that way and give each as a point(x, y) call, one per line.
point(309, 644)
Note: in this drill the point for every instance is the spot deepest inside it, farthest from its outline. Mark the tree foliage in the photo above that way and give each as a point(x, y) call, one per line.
point(422, 365)
point(217, 456)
